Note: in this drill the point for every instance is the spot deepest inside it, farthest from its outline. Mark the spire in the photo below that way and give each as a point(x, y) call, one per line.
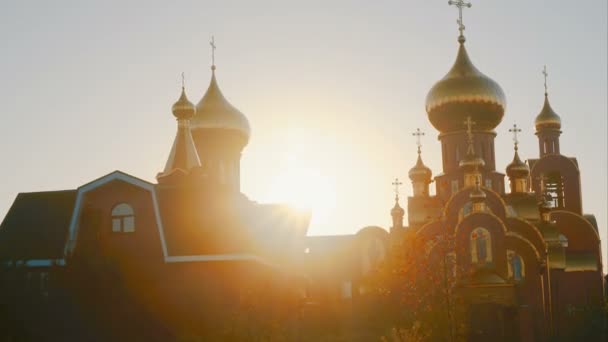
point(420, 174)
point(183, 156)
point(548, 125)
point(460, 4)
point(517, 171)
point(397, 212)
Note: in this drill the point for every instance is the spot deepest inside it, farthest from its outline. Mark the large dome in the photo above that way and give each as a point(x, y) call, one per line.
point(215, 112)
point(464, 92)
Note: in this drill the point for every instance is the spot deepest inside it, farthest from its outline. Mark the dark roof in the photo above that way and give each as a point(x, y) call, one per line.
point(36, 225)
point(199, 222)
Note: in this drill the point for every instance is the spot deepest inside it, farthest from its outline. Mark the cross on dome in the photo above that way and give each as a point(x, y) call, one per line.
point(183, 80)
point(545, 74)
point(418, 134)
point(460, 4)
point(213, 47)
point(397, 184)
point(515, 130)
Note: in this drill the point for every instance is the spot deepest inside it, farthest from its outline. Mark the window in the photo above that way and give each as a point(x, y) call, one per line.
point(517, 270)
point(454, 186)
point(481, 246)
point(123, 219)
point(488, 183)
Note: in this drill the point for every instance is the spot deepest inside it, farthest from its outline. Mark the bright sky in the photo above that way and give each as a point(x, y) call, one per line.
point(333, 90)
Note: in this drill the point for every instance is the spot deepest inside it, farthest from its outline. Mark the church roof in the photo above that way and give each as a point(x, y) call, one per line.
point(197, 223)
point(36, 225)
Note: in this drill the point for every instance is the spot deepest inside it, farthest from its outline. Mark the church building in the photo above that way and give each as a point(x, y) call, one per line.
point(190, 256)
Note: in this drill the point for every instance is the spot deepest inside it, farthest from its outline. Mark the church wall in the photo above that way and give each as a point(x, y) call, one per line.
point(137, 250)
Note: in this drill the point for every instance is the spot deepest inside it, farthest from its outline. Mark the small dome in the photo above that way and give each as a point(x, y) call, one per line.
point(397, 210)
point(471, 162)
point(183, 109)
point(517, 168)
point(463, 92)
point(547, 118)
point(420, 172)
point(214, 111)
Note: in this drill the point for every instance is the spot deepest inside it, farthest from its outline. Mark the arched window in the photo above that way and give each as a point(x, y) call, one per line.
point(517, 268)
point(123, 219)
point(481, 246)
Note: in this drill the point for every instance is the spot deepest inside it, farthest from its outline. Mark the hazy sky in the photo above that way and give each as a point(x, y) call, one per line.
point(331, 88)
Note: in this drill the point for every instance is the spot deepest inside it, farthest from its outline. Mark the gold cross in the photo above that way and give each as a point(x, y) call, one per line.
point(460, 4)
point(515, 130)
point(183, 80)
point(213, 47)
point(545, 74)
point(397, 183)
point(418, 134)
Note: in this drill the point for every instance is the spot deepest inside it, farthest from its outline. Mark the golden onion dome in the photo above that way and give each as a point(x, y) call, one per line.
point(397, 210)
point(547, 118)
point(464, 92)
point(471, 162)
point(215, 112)
point(183, 109)
point(420, 172)
point(517, 168)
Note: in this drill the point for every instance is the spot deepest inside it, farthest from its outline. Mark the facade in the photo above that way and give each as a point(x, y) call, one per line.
point(190, 256)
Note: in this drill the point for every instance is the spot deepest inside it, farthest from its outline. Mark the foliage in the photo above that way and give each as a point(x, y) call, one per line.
point(416, 283)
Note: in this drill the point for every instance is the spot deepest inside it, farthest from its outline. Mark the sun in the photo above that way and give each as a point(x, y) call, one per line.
point(304, 187)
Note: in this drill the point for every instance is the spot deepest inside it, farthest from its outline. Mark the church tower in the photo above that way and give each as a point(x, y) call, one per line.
point(220, 132)
point(554, 174)
point(183, 157)
point(548, 126)
point(518, 171)
point(465, 94)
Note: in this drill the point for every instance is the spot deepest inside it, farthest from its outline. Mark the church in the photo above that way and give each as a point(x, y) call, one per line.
point(190, 257)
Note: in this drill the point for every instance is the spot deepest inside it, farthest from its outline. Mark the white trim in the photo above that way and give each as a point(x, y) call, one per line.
point(116, 175)
point(36, 263)
point(214, 257)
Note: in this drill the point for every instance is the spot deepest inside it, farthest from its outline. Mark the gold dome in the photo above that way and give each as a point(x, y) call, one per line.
point(397, 210)
point(547, 118)
point(471, 162)
point(464, 92)
point(420, 172)
point(517, 168)
point(215, 112)
point(183, 109)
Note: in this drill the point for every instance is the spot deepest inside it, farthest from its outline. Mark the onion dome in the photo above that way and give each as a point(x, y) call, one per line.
point(547, 118)
point(397, 211)
point(420, 172)
point(463, 92)
point(517, 168)
point(215, 112)
point(183, 109)
point(471, 162)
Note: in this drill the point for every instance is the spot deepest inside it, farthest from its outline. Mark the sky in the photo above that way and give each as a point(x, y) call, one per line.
point(332, 89)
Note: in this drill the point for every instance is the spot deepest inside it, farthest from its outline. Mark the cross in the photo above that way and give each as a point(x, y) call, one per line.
point(213, 47)
point(469, 123)
point(545, 74)
point(418, 134)
point(460, 4)
point(183, 80)
point(397, 183)
point(515, 130)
